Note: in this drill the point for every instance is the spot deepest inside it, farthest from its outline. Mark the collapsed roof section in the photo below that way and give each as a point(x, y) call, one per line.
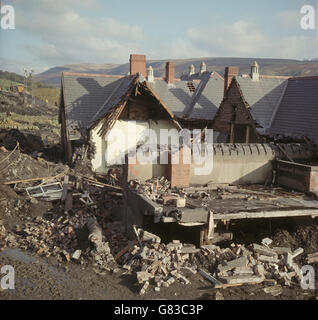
point(87, 98)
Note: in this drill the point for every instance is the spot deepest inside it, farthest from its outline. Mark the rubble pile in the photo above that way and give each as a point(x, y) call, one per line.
point(70, 230)
point(59, 238)
point(156, 263)
point(255, 264)
point(159, 190)
point(154, 188)
point(18, 166)
point(48, 238)
point(160, 265)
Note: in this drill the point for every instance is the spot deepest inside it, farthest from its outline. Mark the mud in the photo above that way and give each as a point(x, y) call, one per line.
point(46, 279)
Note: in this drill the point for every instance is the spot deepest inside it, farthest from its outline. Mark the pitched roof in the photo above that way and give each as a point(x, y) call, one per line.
point(89, 97)
point(297, 115)
point(263, 97)
point(202, 103)
point(85, 95)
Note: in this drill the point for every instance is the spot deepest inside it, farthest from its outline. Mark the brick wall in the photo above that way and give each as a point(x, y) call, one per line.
point(179, 174)
point(225, 114)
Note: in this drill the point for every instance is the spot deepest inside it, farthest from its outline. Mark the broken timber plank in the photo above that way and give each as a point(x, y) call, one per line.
point(26, 180)
point(102, 184)
point(231, 285)
point(126, 249)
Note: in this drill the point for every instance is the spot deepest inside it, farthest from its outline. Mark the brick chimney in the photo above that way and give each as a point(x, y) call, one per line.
point(170, 72)
point(230, 73)
point(138, 64)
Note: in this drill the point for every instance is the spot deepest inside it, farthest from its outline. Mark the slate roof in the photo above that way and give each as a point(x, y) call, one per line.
point(297, 115)
point(88, 97)
point(263, 97)
point(85, 95)
point(203, 103)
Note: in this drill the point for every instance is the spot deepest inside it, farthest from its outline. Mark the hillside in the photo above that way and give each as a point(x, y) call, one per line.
point(268, 67)
point(43, 91)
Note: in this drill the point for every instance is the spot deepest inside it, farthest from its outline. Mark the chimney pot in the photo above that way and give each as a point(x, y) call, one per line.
point(203, 67)
point(138, 64)
point(191, 70)
point(255, 71)
point(150, 76)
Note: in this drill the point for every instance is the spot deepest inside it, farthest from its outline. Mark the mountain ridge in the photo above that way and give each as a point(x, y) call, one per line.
point(275, 67)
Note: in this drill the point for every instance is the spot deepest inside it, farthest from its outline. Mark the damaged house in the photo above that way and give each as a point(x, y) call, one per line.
point(95, 105)
point(258, 108)
point(249, 105)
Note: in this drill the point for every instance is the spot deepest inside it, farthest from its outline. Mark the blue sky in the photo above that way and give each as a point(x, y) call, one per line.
point(53, 33)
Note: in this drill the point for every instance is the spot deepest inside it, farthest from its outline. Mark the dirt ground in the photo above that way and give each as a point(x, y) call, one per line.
point(38, 278)
point(48, 279)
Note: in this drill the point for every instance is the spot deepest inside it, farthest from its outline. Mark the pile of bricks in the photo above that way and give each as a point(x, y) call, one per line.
point(255, 264)
point(161, 265)
point(58, 237)
point(153, 188)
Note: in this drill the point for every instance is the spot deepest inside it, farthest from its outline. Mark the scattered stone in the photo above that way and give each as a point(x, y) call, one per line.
point(218, 296)
point(275, 291)
point(143, 276)
point(282, 250)
point(267, 241)
point(144, 288)
point(268, 259)
point(297, 252)
point(264, 250)
point(240, 262)
point(242, 279)
point(66, 255)
point(77, 254)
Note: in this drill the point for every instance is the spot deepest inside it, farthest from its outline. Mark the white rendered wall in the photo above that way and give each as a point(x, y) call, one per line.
point(124, 136)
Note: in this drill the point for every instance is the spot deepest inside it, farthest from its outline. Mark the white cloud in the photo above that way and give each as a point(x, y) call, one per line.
point(68, 35)
point(289, 19)
point(178, 49)
point(244, 39)
point(67, 31)
point(240, 38)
